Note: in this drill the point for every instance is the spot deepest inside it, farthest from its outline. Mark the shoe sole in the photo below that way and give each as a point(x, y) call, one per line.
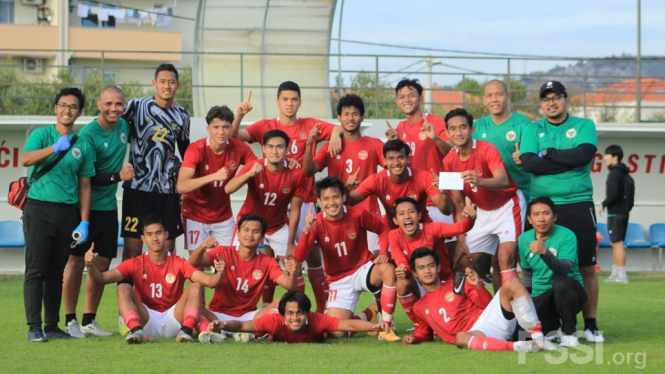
point(136, 341)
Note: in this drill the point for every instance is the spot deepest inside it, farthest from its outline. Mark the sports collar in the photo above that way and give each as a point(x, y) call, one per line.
point(408, 168)
point(208, 141)
point(474, 146)
point(265, 162)
point(324, 213)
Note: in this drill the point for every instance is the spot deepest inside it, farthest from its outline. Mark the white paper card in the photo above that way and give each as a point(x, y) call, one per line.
point(450, 181)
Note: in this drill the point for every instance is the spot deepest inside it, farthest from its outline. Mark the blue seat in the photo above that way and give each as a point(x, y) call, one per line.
point(11, 234)
point(121, 240)
point(635, 237)
point(602, 229)
point(657, 236)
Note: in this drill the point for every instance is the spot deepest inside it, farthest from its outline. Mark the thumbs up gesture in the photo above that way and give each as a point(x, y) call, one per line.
point(516, 155)
point(90, 256)
point(220, 265)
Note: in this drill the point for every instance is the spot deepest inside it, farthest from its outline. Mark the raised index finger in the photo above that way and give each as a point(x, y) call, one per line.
point(249, 96)
point(356, 174)
point(388, 123)
point(311, 208)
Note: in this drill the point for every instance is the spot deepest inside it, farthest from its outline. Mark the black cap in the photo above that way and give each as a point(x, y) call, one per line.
point(553, 86)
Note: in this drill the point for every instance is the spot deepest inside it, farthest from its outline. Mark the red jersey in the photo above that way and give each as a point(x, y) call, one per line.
point(269, 195)
point(317, 328)
point(432, 235)
point(159, 287)
point(210, 204)
point(418, 186)
point(298, 133)
point(243, 281)
point(484, 159)
point(425, 155)
point(365, 153)
point(343, 243)
point(447, 313)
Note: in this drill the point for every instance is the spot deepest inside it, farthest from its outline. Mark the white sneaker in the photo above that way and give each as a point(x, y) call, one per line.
point(593, 336)
point(243, 337)
point(137, 337)
point(93, 329)
point(569, 341)
point(209, 337)
point(621, 279)
point(526, 347)
point(543, 344)
point(74, 330)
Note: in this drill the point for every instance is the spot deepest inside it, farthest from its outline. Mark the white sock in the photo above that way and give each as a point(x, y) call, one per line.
point(621, 271)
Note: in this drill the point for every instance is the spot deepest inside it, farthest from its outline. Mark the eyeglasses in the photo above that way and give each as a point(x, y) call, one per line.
point(553, 99)
point(73, 107)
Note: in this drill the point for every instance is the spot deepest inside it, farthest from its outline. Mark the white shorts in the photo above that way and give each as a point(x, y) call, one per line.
point(372, 242)
point(345, 293)
point(304, 210)
point(436, 216)
point(492, 323)
point(494, 227)
point(277, 241)
point(162, 324)
point(196, 232)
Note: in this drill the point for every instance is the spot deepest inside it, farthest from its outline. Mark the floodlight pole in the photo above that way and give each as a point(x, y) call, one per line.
point(638, 63)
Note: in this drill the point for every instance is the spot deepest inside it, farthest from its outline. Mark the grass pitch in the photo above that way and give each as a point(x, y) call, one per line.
point(632, 317)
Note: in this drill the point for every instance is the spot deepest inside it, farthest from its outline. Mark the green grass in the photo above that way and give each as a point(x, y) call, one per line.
point(632, 317)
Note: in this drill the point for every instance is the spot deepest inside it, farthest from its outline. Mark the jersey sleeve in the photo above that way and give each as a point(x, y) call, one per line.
point(322, 158)
point(368, 186)
point(212, 254)
point(305, 243)
point(35, 141)
point(301, 187)
point(451, 230)
point(192, 157)
point(274, 270)
point(256, 131)
point(395, 249)
point(326, 130)
point(328, 323)
point(524, 250)
point(246, 168)
point(267, 323)
point(247, 155)
point(184, 134)
point(493, 158)
point(568, 248)
point(479, 296)
point(529, 142)
point(126, 268)
point(87, 168)
point(372, 223)
point(422, 332)
point(187, 269)
point(130, 113)
point(587, 133)
point(428, 179)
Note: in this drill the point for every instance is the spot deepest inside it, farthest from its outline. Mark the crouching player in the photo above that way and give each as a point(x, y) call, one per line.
point(295, 323)
point(157, 307)
point(472, 319)
point(341, 232)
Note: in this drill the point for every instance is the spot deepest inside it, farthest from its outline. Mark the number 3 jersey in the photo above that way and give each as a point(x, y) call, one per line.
point(447, 313)
point(159, 287)
point(243, 281)
point(155, 131)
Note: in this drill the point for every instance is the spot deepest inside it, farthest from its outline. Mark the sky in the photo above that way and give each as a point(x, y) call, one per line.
point(571, 28)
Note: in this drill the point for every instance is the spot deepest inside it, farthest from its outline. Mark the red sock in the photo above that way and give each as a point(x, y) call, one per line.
point(190, 318)
point(377, 298)
point(365, 315)
point(407, 304)
point(132, 319)
point(203, 324)
point(300, 286)
point(388, 301)
point(317, 277)
point(483, 343)
point(268, 293)
point(508, 274)
point(536, 331)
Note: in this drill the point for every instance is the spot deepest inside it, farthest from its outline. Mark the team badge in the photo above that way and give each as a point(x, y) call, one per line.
point(256, 274)
point(170, 278)
point(450, 296)
point(479, 172)
point(387, 197)
point(232, 165)
point(552, 250)
point(123, 138)
point(484, 135)
point(261, 186)
point(286, 189)
point(510, 136)
point(422, 136)
point(76, 153)
point(414, 197)
point(173, 125)
point(362, 155)
point(571, 133)
point(303, 135)
point(351, 234)
point(327, 239)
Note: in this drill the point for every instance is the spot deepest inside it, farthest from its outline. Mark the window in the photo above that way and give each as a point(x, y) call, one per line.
point(6, 12)
point(92, 20)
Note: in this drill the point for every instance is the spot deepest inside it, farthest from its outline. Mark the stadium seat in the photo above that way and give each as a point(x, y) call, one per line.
point(602, 229)
point(657, 236)
point(635, 237)
point(12, 240)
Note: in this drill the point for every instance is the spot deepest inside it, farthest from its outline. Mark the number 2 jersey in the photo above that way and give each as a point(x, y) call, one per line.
point(159, 287)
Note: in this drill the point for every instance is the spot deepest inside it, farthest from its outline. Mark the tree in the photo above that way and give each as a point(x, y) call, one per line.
point(379, 98)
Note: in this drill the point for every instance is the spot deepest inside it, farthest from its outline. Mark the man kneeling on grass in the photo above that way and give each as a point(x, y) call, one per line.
point(295, 323)
point(157, 306)
point(473, 319)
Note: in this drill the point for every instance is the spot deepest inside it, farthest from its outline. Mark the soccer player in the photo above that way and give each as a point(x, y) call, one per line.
point(411, 235)
point(550, 251)
point(157, 306)
point(51, 215)
point(400, 180)
point(156, 126)
point(472, 319)
point(504, 128)
point(558, 151)
point(295, 323)
point(208, 164)
point(247, 271)
point(107, 136)
point(297, 129)
point(501, 206)
point(341, 232)
point(360, 157)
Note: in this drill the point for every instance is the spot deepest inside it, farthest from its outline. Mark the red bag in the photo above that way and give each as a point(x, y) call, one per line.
point(18, 192)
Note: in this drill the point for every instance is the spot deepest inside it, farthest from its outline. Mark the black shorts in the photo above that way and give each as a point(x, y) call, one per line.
point(580, 218)
point(616, 227)
point(136, 205)
point(103, 231)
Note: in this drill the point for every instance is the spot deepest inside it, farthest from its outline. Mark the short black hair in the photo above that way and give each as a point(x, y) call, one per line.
point(329, 182)
point(254, 217)
point(423, 252)
point(614, 150)
point(396, 145)
point(288, 86)
point(406, 82)
point(541, 200)
point(152, 219)
point(276, 134)
point(459, 112)
point(221, 112)
point(71, 91)
point(303, 301)
point(351, 100)
point(167, 67)
point(405, 199)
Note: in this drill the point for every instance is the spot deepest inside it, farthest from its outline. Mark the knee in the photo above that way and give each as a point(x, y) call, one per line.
point(506, 258)
point(462, 340)
point(76, 264)
point(402, 286)
point(124, 290)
